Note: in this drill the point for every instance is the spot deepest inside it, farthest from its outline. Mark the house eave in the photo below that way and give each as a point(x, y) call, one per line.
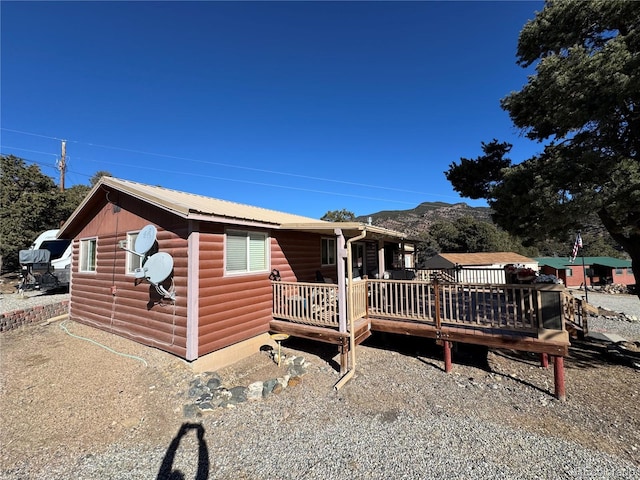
point(349, 229)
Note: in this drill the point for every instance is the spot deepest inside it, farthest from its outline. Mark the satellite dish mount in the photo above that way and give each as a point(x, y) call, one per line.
point(158, 266)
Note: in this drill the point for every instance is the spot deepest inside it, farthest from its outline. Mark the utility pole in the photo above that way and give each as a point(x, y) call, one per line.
point(62, 164)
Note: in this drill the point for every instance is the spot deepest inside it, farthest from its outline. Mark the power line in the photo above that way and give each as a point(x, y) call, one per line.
point(27, 150)
point(226, 165)
point(263, 184)
point(42, 164)
point(29, 133)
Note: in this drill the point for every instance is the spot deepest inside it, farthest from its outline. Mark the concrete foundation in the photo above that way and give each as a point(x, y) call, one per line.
point(232, 354)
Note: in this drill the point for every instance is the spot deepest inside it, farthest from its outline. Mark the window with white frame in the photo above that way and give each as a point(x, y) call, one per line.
point(569, 272)
point(133, 261)
point(246, 252)
point(328, 251)
point(88, 254)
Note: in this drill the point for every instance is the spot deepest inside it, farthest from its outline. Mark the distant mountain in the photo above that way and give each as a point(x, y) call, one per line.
point(418, 219)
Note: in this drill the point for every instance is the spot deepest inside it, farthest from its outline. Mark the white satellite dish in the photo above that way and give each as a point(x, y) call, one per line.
point(156, 270)
point(158, 267)
point(145, 240)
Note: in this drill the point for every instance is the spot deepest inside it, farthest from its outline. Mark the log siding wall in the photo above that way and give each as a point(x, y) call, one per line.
point(221, 310)
point(231, 308)
point(238, 307)
point(134, 311)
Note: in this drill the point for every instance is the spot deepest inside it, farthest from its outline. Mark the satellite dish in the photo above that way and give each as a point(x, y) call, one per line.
point(145, 240)
point(158, 267)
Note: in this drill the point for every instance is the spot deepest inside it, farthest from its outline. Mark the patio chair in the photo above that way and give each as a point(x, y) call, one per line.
point(323, 303)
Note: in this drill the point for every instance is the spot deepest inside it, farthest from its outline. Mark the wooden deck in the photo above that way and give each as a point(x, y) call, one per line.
point(520, 317)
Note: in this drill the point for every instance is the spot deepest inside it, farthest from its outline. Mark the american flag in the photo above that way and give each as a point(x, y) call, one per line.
point(576, 246)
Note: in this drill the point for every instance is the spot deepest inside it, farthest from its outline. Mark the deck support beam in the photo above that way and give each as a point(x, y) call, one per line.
point(544, 360)
point(558, 374)
point(447, 356)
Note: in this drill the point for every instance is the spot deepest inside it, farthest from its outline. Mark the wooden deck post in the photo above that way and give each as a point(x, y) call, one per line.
point(558, 374)
point(447, 356)
point(544, 360)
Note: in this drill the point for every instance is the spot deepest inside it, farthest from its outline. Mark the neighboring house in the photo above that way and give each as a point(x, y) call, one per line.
point(489, 266)
point(223, 254)
point(596, 270)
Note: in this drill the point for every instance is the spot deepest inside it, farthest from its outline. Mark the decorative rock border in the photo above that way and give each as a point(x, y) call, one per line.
point(206, 392)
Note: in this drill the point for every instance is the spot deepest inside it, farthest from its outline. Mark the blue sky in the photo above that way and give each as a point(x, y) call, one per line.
point(302, 107)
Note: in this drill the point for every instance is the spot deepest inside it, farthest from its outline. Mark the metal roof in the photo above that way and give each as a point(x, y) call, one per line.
point(561, 263)
point(553, 262)
point(485, 258)
point(199, 207)
point(191, 205)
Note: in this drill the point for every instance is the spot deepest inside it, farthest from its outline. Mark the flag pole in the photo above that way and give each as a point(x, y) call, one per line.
point(584, 272)
point(584, 275)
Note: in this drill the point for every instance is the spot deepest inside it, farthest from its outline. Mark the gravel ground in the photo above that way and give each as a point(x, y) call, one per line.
point(629, 305)
point(73, 410)
point(620, 303)
point(15, 301)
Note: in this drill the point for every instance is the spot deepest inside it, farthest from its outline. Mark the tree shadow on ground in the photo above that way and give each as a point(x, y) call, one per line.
point(424, 349)
point(583, 354)
point(428, 351)
point(324, 351)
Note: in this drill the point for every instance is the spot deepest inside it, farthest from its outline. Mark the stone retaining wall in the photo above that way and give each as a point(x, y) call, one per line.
point(37, 314)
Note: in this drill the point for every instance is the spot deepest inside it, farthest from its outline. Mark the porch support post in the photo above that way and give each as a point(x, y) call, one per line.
point(447, 356)
point(381, 266)
point(193, 289)
point(342, 282)
point(558, 374)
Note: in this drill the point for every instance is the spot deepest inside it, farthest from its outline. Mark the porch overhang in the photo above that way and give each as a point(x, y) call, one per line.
point(349, 230)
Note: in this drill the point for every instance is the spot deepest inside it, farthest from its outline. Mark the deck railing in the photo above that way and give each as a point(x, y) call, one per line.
point(308, 303)
point(358, 297)
point(575, 312)
point(522, 308)
point(512, 307)
point(494, 276)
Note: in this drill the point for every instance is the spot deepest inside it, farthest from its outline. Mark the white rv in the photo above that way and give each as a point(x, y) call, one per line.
point(46, 265)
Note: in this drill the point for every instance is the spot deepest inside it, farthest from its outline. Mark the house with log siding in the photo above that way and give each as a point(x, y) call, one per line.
point(223, 255)
point(235, 274)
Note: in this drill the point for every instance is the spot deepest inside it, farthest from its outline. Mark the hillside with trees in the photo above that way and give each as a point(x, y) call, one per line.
point(444, 227)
